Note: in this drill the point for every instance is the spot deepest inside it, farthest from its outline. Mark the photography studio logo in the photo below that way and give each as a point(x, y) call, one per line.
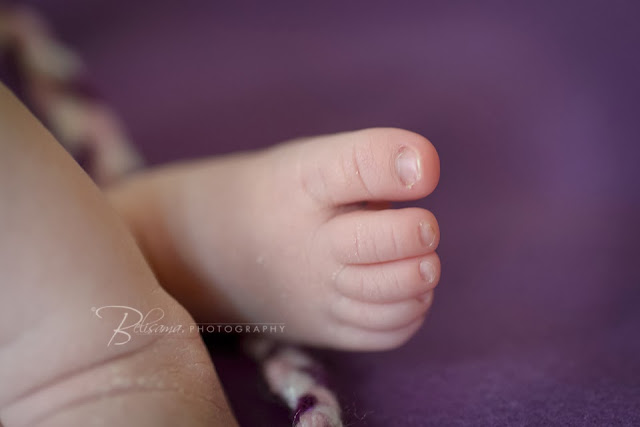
point(128, 322)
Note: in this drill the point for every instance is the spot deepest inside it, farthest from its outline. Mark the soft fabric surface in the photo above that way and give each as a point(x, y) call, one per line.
point(534, 109)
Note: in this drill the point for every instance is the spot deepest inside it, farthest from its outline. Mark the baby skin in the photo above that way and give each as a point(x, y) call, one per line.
point(64, 250)
point(300, 234)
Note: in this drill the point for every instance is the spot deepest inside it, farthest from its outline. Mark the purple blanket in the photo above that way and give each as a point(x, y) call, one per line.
point(535, 110)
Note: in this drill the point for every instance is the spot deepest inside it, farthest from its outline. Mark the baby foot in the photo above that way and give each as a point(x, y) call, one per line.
point(302, 234)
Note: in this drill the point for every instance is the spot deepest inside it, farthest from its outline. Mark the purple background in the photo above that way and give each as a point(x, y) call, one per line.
point(535, 110)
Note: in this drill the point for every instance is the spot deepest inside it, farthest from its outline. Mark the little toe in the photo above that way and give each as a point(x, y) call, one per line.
point(367, 237)
point(379, 317)
point(348, 337)
point(389, 282)
point(371, 164)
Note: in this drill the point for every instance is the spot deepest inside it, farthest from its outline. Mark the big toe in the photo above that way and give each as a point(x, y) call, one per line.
point(369, 165)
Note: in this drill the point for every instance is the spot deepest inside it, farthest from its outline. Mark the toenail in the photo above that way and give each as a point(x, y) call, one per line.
point(408, 166)
point(427, 234)
point(426, 297)
point(427, 271)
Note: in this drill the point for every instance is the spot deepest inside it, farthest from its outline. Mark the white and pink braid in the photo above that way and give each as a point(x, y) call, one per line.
point(298, 380)
point(54, 84)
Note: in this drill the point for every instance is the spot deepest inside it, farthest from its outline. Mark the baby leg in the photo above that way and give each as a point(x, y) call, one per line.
point(64, 252)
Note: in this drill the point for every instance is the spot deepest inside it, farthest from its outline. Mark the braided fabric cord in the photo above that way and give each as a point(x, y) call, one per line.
point(298, 380)
point(53, 81)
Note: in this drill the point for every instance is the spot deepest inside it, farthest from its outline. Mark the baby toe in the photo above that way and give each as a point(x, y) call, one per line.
point(379, 317)
point(371, 164)
point(367, 237)
point(349, 337)
point(391, 281)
